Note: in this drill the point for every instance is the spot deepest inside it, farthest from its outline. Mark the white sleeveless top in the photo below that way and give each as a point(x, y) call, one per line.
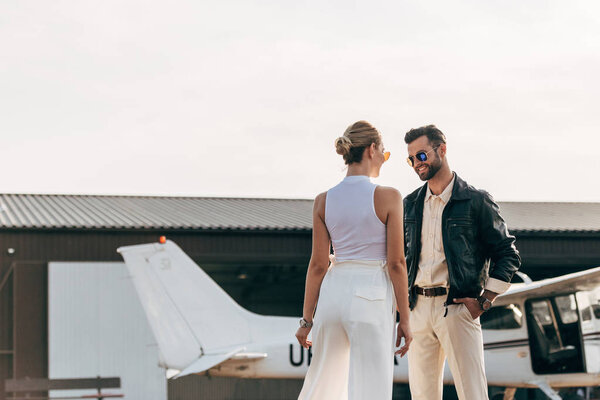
point(355, 230)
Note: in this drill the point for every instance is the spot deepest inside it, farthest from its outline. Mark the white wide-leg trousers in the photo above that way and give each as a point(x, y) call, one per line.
point(353, 334)
point(456, 336)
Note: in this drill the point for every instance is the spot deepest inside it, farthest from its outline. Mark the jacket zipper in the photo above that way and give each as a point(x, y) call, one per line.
point(444, 234)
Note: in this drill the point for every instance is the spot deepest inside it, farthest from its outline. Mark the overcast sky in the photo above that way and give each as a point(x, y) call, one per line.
point(223, 98)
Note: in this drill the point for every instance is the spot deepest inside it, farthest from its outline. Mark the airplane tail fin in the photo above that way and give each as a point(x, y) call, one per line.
point(196, 323)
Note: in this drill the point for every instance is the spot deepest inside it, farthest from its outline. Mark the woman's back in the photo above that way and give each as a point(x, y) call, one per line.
point(355, 291)
point(355, 230)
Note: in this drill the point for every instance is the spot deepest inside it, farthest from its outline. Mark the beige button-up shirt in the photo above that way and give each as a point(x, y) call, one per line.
point(433, 268)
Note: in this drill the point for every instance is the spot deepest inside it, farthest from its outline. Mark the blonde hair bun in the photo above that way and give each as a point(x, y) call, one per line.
point(356, 138)
point(342, 145)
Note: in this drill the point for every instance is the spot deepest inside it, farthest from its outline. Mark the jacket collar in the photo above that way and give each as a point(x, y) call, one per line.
point(460, 191)
point(445, 195)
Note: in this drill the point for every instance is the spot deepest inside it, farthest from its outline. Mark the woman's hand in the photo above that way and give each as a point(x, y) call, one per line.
point(302, 336)
point(403, 332)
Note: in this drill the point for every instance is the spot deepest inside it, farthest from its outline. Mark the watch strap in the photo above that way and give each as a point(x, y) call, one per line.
point(484, 303)
point(305, 324)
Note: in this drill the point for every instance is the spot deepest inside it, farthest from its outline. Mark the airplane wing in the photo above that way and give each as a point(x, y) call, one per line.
point(577, 281)
point(208, 361)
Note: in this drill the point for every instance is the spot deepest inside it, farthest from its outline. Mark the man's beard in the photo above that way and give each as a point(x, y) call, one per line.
point(432, 169)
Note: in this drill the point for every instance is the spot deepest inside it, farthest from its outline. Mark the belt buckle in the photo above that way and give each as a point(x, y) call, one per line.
point(429, 290)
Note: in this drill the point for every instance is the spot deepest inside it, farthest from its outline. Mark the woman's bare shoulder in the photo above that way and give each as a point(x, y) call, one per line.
point(319, 203)
point(320, 198)
point(388, 193)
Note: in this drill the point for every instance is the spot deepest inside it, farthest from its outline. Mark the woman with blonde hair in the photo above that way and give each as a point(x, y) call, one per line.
point(359, 292)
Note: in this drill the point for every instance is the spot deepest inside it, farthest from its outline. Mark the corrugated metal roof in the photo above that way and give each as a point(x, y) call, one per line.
point(33, 211)
point(136, 212)
point(546, 216)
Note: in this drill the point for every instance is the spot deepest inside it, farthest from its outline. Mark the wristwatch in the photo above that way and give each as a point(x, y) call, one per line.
point(305, 324)
point(484, 303)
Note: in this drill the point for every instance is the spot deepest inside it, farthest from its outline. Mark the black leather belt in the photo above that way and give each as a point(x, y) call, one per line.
point(431, 292)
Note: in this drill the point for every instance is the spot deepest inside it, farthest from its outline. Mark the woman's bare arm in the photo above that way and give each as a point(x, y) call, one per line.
point(317, 267)
point(388, 204)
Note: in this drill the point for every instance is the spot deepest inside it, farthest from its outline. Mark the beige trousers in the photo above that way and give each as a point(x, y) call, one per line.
point(353, 335)
point(456, 336)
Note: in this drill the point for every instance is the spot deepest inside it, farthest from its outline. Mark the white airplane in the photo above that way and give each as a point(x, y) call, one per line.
point(543, 334)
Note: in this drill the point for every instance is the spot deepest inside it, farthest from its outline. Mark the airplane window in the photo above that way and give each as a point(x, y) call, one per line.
point(596, 309)
point(502, 317)
point(583, 301)
point(586, 314)
point(542, 312)
point(567, 308)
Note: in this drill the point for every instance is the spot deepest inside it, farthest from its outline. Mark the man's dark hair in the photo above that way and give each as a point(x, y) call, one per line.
point(435, 136)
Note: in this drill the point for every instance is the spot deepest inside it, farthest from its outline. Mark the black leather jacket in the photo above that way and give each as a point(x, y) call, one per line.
point(473, 234)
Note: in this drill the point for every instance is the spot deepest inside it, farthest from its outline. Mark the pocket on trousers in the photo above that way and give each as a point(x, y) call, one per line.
point(465, 311)
point(371, 293)
point(368, 305)
point(468, 315)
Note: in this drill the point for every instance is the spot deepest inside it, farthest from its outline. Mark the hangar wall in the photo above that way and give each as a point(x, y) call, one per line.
point(265, 257)
point(272, 264)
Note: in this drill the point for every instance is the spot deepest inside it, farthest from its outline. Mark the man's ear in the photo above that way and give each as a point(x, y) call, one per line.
point(442, 150)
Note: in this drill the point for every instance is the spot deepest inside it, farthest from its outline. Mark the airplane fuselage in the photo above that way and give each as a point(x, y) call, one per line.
point(542, 334)
point(504, 360)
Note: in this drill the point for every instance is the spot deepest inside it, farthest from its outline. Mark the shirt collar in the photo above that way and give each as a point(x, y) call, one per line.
point(445, 195)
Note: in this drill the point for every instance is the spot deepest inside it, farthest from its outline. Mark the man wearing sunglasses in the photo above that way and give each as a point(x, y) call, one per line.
point(459, 256)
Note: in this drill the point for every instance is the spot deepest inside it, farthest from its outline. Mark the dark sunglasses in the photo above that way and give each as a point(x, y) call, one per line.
point(421, 156)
